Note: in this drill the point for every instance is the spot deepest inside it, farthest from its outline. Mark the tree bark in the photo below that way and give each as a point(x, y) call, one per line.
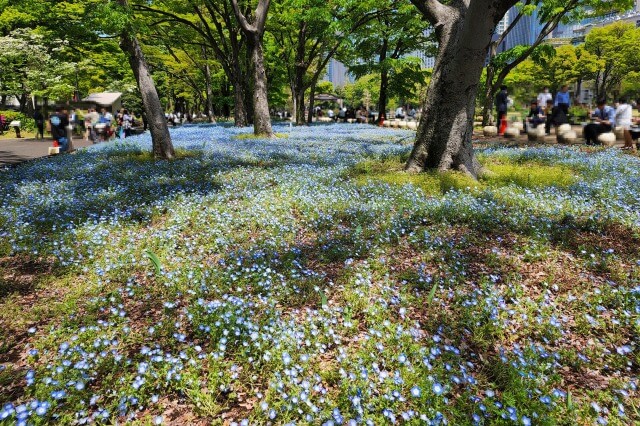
point(261, 115)
point(160, 137)
point(254, 33)
point(299, 102)
point(312, 95)
point(464, 31)
point(208, 91)
point(239, 111)
point(384, 81)
point(487, 106)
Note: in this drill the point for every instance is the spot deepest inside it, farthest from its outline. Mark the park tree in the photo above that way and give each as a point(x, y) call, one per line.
point(567, 64)
point(211, 25)
point(617, 48)
point(309, 33)
point(381, 46)
point(253, 26)
point(30, 68)
point(463, 29)
point(549, 13)
point(122, 23)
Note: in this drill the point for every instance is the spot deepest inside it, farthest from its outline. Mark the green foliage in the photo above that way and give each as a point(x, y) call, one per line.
point(616, 47)
point(27, 123)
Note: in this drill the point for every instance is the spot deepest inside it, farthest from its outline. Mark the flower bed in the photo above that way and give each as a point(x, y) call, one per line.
point(290, 281)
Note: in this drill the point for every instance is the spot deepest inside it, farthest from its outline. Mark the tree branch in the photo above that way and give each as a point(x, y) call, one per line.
point(242, 20)
point(433, 10)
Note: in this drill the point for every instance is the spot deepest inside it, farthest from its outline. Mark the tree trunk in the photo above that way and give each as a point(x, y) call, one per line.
point(261, 116)
point(384, 82)
point(487, 105)
point(208, 91)
point(160, 137)
point(299, 100)
point(443, 140)
point(294, 102)
point(239, 111)
point(312, 94)
point(248, 87)
point(22, 101)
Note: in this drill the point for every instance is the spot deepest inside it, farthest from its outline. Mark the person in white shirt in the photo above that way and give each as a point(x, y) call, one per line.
point(544, 99)
point(623, 119)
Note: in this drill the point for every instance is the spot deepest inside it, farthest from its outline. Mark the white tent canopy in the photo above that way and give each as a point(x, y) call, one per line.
point(109, 100)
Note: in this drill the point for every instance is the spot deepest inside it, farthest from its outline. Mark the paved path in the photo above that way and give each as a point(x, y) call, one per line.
point(14, 151)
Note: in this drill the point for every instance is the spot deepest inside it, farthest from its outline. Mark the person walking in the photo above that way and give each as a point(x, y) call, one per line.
point(502, 102)
point(604, 118)
point(59, 122)
point(39, 119)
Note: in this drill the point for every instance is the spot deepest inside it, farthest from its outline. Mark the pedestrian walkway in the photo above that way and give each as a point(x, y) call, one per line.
point(14, 151)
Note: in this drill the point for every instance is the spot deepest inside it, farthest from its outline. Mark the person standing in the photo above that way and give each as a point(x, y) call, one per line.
point(502, 102)
point(563, 100)
point(624, 113)
point(59, 122)
point(544, 99)
point(604, 118)
point(39, 119)
point(126, 123)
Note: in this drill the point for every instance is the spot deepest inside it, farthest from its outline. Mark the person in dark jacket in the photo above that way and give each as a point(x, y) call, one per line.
point(39, 119)
point(535, 116)
point(502, 101)
point(59, 121)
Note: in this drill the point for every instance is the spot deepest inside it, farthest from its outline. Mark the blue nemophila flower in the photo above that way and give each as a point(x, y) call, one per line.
point(416, 392)
point(437, 388)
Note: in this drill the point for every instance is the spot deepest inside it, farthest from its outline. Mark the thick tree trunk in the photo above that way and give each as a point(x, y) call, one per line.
point(160, 137)
point(443, 140)
point(261, 116)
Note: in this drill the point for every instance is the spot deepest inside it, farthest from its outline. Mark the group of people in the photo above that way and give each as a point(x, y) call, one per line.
point(98, 126)
point(103, 126)
point(554, 112)
point(401, 113)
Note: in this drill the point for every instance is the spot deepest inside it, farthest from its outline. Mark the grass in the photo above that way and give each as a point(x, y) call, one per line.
point(250, 136)
point(501, 172)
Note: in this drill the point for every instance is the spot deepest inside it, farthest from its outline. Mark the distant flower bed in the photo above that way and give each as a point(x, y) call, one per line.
point(307, 280)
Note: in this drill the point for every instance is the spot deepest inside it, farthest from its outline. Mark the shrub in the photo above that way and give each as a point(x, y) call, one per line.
point(27, 123)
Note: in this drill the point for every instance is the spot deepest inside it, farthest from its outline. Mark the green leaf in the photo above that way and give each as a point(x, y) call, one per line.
point(569, 401)
point(154, 259)
point(323, 299)
point(432, 293)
